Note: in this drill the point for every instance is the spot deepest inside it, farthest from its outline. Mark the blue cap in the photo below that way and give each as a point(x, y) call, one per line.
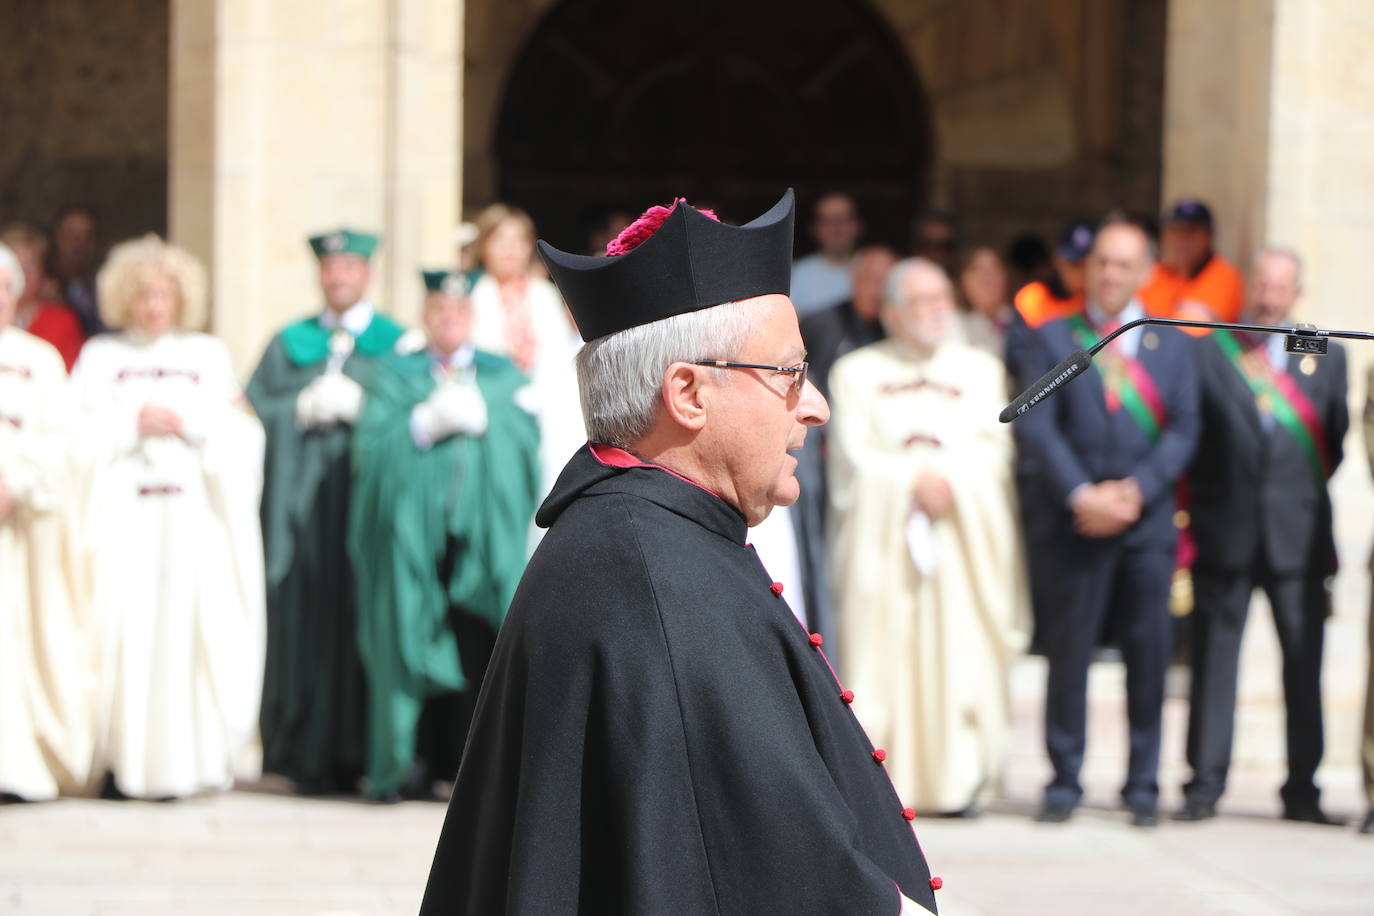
point(1076, 241)
point(1190, 210)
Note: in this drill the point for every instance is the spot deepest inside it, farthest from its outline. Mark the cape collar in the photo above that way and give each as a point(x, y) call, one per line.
point(598, 468)
point(307, 341)
point(615, 457)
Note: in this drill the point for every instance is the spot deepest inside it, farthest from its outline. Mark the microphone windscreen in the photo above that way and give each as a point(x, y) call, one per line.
point(1072, 367)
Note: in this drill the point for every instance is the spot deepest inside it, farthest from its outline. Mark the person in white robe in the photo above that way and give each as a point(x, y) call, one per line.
point(45, 672)
point(928, 573)
point(171, 458)
point(519, 314)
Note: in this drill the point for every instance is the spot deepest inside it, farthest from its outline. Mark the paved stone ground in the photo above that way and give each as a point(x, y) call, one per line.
point(256, 851)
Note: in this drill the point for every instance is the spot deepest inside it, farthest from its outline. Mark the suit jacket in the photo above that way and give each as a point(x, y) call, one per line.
point(1072, 438)
point(830, 334)
point(1253, 488)
point(1026, 362)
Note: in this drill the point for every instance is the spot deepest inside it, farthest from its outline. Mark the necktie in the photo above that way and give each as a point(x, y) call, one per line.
point(1115, 367)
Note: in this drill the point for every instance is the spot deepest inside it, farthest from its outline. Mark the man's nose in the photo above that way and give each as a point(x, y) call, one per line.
point(812, 409)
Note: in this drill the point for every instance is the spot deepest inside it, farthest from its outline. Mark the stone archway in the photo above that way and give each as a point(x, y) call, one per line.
point(613, 106)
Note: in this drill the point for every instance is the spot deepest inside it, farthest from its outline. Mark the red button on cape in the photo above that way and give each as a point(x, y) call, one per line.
point(816, 639)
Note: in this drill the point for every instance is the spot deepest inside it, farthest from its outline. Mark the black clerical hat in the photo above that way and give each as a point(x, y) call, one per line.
point(689, 262)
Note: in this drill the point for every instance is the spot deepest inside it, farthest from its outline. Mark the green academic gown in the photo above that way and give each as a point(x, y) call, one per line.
point(312, 702)
point(460, 509)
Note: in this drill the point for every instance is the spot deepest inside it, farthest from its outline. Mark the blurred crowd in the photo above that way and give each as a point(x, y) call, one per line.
point(303, 574)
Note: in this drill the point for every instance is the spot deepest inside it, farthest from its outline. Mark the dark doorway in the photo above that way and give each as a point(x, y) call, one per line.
point(83, 111)
point(616, 106)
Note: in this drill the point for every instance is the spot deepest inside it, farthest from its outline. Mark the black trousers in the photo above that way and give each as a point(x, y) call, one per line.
point(1098, 581)
point(441, 733)
point(1222, 602)
point(1039, 525)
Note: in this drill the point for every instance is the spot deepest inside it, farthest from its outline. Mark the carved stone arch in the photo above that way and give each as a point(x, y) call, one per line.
point(614, 106)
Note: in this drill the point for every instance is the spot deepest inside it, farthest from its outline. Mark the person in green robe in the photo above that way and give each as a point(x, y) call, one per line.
point(445, 481)
point(308, 392)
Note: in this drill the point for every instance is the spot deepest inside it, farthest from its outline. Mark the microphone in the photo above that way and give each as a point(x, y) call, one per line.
point(1301, 338)
point(1072, 365)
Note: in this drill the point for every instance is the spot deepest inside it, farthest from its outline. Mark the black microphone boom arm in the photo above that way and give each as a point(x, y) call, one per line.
point(1301, 338)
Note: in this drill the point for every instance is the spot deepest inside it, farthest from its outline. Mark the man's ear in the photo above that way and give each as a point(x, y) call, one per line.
point(683, 386)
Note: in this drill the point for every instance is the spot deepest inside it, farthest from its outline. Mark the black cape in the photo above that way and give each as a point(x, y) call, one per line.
point(657, 734)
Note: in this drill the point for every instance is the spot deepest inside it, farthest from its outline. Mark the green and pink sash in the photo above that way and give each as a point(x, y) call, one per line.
point(1131, 387)
point(1277, 392)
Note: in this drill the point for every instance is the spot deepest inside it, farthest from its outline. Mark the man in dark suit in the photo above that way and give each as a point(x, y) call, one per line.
point(1109, 449)
point(1272, 429)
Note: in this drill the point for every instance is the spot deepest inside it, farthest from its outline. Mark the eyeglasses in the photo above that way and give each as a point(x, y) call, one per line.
point(797, 372)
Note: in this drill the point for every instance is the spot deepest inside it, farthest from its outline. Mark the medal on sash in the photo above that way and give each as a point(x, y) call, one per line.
point(1125, 382)
point(1278, 395)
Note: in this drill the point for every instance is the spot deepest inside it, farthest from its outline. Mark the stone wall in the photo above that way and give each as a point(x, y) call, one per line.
point(1217, 121)
point(83, 111)
point(495, 32)
point(1043, 110)
point(296, 118)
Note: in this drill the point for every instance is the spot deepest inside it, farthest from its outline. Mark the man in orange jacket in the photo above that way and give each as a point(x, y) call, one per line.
point(1062, 296)
point(1191, 280)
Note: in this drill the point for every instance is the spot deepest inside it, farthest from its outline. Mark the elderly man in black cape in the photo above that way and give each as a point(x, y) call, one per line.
point(656, 732)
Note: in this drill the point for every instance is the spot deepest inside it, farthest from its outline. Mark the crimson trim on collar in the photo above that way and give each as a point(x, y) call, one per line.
point(614, 457)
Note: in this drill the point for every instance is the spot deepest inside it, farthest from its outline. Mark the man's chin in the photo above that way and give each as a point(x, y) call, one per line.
point(786, 493)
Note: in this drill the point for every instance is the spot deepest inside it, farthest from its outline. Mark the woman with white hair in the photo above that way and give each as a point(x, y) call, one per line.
point(44, 670)
point(172, 465)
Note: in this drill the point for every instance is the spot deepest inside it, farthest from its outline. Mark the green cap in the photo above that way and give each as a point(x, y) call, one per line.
point(447, 281)
point(344, 241)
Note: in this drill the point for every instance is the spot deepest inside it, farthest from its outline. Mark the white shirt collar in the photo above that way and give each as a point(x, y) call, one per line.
point(462, 357)
point(1133, 311)
point(354, 320)
point(1278, 355)
point(1127, 344)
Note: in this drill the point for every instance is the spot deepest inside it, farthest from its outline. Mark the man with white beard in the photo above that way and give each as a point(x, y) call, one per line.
point(928, 567)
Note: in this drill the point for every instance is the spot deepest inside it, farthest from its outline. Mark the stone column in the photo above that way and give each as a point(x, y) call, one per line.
point(1216, 114)
point(1320, 177)
point(291, 118)
point(1267, 118)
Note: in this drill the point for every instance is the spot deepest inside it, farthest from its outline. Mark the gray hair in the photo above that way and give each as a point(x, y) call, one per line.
point(10, 262)
point(1282, 252)
point(895, 292)
point(620, 376)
